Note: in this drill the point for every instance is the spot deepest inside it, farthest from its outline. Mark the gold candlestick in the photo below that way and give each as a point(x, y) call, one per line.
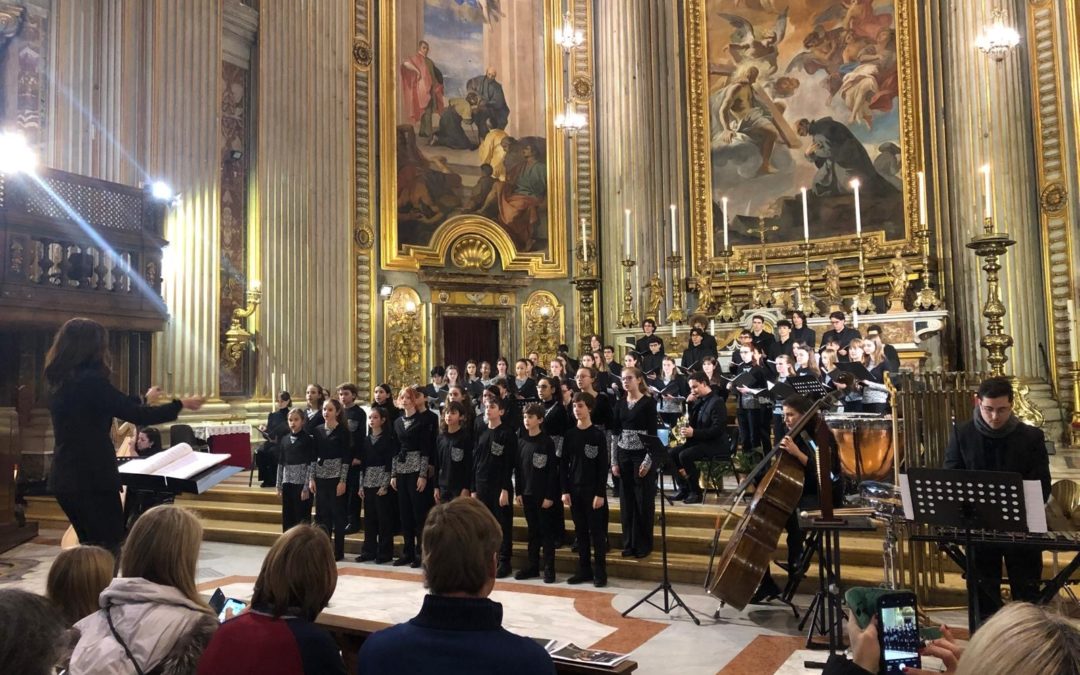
point(628, 318)
point(1074, 423)
point(990, 245)
point(586, 285)
point(927, 297)
point(676, 315)
point(727, 308)
point(761, 295)
point(806, 303)
point(863, 304)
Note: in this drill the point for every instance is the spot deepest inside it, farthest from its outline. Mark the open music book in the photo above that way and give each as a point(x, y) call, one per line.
point(568, 651)
point(179, 461)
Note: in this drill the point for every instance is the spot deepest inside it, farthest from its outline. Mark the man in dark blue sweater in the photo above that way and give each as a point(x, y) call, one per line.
point(458, 630)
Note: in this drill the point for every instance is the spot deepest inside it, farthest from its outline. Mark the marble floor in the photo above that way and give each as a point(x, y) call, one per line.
point(760, 640)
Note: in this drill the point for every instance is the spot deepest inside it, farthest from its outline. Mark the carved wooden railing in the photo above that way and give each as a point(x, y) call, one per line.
point(77, 246)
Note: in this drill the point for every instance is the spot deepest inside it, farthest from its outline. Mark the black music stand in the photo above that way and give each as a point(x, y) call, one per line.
point(968, 501)
point(808, 386)
point(671, 599)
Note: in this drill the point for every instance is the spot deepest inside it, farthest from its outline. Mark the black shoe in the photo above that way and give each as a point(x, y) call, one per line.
point(694, 498)
point(382, 561)
point(549, 576)
point(643, 554)
point(580, 577)
point(503, 571)
point(352, 529)
point(527, 573)
point(573, 547)
point(267, 484)
point(765, 593)
point(403, 561)
point(599, 578)
point(628, 553)
point(415, 564)
point(682, 494)
point(339, 558)
point(365, 557)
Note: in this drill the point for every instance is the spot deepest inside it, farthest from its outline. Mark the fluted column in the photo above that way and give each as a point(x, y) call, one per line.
point(639, 126)
point(988, 117)
point(304, 187)
point(184, 66)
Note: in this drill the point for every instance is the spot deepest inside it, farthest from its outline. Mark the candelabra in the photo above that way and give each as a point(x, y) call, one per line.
point(676, 315)
point(990, 245)
point(862, 302)
point(727, 308)
point(586, 285)
point(806, 303)
point(927, 297)
point(1074, 423)
point(628, 318)
point(237, 338)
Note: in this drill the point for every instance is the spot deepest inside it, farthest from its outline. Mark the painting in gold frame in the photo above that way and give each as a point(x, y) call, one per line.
point(417, 230)
point(850, 68)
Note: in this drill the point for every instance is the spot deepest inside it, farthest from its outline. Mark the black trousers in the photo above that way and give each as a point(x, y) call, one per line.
point(590, 528)
point(330, 512)
point(414, 508)
point(352, 491)
point(505, 515)
point(686, 457)
point(97, 516)
point(294, 510)
point(637, 505)
point(750, 429)
point(266, 459)
point(1025, 570)
point(542, 529)
point(378, 523)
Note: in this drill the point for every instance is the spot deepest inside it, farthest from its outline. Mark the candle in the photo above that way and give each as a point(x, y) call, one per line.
point(922, 199)
point(858, 210)
point(723, 206)
point(273, 381)
point(674, 233)
point(584, 243)
point(284, 387)
point(988, 209)
point(626, 234)
point(674, 325)
point(1074, 350)
point(805, 218)
point(712, 326)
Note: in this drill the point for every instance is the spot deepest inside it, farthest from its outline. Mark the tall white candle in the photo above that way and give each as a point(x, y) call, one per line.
point(805, 218)
point(584, 243)
point(674, 233)
point(723, 206)
point(712, 326)
point(284, 386)
point(922, 198)
point(1074, 349)
point(273, 383)
point(674, 326)
point(988, 209)
point(626, 234)
point(858, 209)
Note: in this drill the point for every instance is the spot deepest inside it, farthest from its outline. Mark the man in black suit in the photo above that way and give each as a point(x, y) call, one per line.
point(653, 356)
point(996, 440)
point(706, 435)
point(760, 336)
point(840, 334)
point(277, 425)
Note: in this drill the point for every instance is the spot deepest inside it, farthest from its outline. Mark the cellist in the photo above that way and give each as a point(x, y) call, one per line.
point(816, 434)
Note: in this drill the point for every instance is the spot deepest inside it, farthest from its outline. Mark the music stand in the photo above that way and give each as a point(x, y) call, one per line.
point(808, 386)
point(966, 500)
point(662, 459)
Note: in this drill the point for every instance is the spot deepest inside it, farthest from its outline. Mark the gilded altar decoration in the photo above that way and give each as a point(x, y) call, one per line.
point(405, 338)
point(832, 295)
point(237, 337)
point(705, 302)
point(656, 296)
point(898, 283)
point(362, 53)
point(542, 319)
point(812, 94)
point(473, 253)
point(468, 91)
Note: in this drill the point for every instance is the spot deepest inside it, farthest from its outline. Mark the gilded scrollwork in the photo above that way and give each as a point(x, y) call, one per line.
point(473, 252)
point(405, 337)
point(542, 325)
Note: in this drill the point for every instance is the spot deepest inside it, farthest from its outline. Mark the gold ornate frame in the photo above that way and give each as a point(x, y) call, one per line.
point(912, 100)
point(553, 263)
point(543, 325)
point(405, 337)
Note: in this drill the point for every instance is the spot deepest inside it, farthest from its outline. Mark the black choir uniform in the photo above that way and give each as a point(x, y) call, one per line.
point(602, 411)
point(357, 420)
point(294, 475)
point(314, 419)
point(523, 388)
point(333, 456)
point(615, 368)
point(536, 475)
point(585, 464)
point(380, 515)
point(671, 410)
point(430, 390)
point(641, 345)
point(753, 419)
point(708, 341)
point(708, 419)
point(475, 388)
point(555, 423)
point(512, 415)
point(416, 446)
point(637, 493)
point(266, 457)
point(453, 462)
point(784, 348)
point(693, 356)
point(763, 340)
point(651, 364)
point(493, 466)
point(805, 335)
point(842, 338)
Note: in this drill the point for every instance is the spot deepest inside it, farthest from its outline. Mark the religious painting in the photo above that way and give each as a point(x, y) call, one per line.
point(466, 97)
point(801, 94)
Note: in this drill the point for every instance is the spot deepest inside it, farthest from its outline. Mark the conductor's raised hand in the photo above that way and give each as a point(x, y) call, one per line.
point(193, 402)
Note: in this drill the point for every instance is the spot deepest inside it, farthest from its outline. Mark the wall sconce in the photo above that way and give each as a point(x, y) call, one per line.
point(569, 37)
point(998, 39)
point(237, 338)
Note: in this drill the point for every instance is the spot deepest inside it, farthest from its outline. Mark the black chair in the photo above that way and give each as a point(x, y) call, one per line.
point(183, 433)
point(722, 456)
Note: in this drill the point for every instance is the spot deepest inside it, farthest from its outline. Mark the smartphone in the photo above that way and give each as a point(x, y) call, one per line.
point(221, 605)
point(898, 631)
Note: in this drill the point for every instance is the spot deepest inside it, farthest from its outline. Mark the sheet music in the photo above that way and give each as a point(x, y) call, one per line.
point(905, 497)
point(1034, 505)
point(179, 461)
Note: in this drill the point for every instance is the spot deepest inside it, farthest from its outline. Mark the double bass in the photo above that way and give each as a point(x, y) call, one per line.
point(748, 553)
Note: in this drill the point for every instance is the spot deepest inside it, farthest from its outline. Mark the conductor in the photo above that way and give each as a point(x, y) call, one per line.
point(84, 475)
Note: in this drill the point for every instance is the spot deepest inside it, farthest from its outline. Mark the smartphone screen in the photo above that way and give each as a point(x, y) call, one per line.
point(217, 601)
point(898, 632)
point(231, 604)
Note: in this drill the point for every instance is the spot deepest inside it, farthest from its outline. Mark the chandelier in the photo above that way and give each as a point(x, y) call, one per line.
point(569, 37)
point(571, 121)
point(998, 39)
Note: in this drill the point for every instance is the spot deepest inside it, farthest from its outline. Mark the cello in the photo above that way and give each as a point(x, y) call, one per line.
point(747, 554)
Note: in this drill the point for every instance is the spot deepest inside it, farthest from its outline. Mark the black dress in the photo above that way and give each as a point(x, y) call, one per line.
point(633, 428)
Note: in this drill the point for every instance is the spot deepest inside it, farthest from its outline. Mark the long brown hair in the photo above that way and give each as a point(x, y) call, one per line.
point(80, 343)
point(77, 576)
point(298, 573)
point(163, 548)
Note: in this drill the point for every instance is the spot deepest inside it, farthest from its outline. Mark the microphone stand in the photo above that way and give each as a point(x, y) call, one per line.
point(671, 598)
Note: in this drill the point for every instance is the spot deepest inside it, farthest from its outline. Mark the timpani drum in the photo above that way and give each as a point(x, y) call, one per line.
point(866, 444)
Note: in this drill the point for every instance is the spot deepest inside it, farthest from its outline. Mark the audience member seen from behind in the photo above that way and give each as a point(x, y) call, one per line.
point(278, 633)
point(34, 637)
point(458, 629)
point(77, 577)
point(1020, 639)
point(152, 619)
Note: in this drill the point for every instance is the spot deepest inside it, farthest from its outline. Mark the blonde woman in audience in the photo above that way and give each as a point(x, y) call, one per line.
point(152, 618)
point(77, 577)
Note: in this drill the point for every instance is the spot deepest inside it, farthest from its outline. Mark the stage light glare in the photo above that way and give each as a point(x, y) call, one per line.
point(385, 290)
point(16, 155)
point(160, 191)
